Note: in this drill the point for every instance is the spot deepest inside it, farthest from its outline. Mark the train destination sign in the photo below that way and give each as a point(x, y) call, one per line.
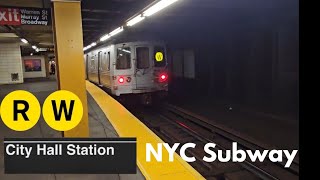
point(159, 56)
point(16, 16)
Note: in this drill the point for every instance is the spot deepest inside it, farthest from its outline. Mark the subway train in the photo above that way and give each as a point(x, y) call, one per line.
point(137, 69)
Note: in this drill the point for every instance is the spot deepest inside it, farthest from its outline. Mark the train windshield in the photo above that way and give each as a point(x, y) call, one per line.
point(142, 57)
point(123, 58)
point(159, 56)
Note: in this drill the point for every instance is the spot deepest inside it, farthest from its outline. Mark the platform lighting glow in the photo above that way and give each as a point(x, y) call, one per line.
point(158, 7)
point(116, 31)
point(87, 47)
point(135, 20)
point(37, 49)
point(34, 47)
point(24, 41)
point(93, 44)
point(105, 37)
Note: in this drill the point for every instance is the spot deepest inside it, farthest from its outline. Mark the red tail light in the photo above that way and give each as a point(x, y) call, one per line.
point(163, 77)
point(121, 80)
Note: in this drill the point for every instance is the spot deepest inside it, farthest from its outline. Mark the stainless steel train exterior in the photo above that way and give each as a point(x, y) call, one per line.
point(138, 68)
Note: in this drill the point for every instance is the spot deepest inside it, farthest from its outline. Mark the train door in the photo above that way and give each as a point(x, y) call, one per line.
point(99, 66)
point(143, 67)
point(105, 78)
point(91, 67)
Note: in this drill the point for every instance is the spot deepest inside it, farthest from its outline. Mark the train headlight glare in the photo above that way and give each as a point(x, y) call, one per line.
point(121, 80)
point(163, 77)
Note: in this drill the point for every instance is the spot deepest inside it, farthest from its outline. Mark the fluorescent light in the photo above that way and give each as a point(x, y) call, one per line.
point(105, 37)
point(158, 7)
point(42, 49)
point(135, 20)
point(24, 41)
point(37, 49)
point(89, 46)
point(116, 31)
point(34, 47)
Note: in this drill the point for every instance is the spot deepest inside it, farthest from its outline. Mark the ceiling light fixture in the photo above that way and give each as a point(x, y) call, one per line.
point(135, 20)
point(158, 7)
point(116, 31)
point(24, 40)
point(105, 37)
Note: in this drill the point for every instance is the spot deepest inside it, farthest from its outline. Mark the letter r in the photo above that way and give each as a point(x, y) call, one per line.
point(23, 111)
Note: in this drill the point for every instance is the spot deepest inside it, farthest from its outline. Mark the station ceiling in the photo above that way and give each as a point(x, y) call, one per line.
point(97, 16)
point(100, 17)
point(185, 19)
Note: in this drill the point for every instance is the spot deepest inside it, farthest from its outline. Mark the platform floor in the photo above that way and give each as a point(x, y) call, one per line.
point(98, 124)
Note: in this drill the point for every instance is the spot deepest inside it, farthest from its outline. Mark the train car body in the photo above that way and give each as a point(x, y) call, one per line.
point(136, 68)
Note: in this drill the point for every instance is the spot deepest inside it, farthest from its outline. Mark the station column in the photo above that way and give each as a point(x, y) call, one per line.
point(67, 25)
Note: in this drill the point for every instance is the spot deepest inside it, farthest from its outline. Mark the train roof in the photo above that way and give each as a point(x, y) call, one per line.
point(129, 42)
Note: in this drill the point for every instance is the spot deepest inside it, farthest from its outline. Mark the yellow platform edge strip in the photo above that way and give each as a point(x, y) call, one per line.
point(127, 125)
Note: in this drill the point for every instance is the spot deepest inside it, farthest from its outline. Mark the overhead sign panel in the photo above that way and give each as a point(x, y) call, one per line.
point(16, 16)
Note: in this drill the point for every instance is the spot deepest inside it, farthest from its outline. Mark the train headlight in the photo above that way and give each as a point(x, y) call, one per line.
point(163, 77)
point(121, 80)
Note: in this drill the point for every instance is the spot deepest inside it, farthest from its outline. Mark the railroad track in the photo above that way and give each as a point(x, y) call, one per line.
point(174, 124)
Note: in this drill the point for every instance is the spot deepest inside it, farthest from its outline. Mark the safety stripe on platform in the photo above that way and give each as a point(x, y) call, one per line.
point(127, 125)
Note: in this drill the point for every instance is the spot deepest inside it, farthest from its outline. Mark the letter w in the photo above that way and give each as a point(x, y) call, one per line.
point(63, 106)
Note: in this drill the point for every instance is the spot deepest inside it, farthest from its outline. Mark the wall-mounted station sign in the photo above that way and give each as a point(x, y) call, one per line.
point(16, 16)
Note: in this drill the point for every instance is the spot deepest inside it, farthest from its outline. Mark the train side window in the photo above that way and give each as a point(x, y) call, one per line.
point(123, 58)
point(159, 57)
point(104, 62)
point(93, 66)
point(142, 57)
point(109, 61)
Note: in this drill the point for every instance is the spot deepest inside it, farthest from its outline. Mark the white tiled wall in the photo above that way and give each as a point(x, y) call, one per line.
point(10, 62)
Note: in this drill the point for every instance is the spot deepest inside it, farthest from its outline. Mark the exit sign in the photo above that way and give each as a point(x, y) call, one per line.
point(10, 16)
point(25, 16)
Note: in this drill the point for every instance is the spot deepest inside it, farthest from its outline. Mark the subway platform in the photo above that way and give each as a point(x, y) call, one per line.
point(101, 108)
point(99, 126)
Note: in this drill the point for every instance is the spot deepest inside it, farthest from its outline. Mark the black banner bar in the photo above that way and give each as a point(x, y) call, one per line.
point(70, 156)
